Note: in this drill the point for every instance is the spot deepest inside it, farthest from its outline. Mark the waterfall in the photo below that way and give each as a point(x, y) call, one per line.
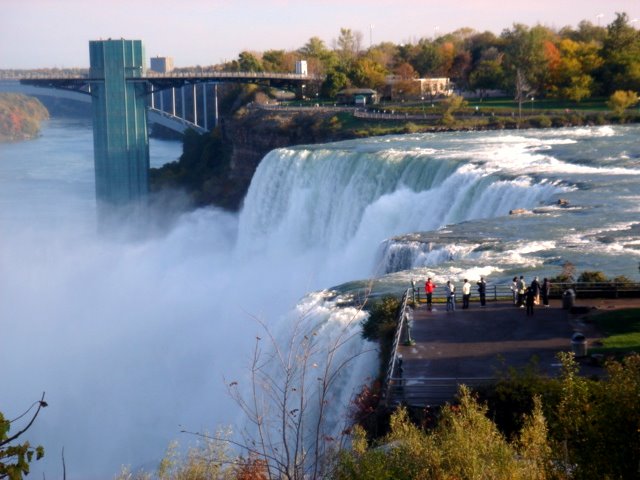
point(342, 203)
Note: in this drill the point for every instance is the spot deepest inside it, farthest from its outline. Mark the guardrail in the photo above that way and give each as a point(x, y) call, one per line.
point(391, 366)
point(503, 292)
point(431, 391)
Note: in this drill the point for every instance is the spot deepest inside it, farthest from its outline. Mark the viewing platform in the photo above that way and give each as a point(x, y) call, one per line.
point(473, 346)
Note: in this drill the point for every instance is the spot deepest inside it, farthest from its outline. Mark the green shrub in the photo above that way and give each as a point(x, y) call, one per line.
point(592, 277)
point(540, 121)
point(382, 318)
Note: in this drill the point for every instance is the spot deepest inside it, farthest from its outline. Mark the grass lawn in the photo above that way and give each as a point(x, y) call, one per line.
point(622, 331)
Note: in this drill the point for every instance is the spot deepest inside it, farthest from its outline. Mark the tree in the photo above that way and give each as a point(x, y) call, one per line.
point(450, 106)
point(368, 73)
point(465, 444)
point(347, 46)
point(333, 83)
point(575, 74)
point(526, 60)
point(15, 458)
point(621, 54)
point(488, 74)
point(621, 100)
point(291, 386)
point(277, 61)
point(248, 62)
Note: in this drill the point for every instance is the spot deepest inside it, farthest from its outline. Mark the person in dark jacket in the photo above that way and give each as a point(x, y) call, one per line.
point(482, 291)
point(529, 300)
point(545, 290)
point(535, 286)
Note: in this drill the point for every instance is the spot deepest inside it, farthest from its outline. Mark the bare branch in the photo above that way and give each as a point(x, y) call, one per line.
point(41, 404)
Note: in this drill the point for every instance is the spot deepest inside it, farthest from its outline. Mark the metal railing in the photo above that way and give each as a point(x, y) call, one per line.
point(431, 391)
point(391, 366)
point(495, 292)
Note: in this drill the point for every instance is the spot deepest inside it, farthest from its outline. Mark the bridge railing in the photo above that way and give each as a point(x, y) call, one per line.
point(220, 74)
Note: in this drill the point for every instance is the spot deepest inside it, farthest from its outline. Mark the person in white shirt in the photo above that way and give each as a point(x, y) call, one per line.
point(450, 290)
point(466, 293)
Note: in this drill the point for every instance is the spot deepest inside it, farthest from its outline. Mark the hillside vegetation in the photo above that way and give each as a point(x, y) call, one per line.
point(20, 117)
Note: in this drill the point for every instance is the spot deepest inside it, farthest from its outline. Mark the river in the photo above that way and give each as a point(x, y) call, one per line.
point(134, 336)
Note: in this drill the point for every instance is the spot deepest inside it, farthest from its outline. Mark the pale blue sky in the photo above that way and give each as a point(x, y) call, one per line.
point(55, 33)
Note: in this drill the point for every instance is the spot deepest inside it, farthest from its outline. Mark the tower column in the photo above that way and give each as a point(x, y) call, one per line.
point(119, 99)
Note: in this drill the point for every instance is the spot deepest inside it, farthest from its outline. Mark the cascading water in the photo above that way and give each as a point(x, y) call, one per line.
point(343, 202)
point(131, 339)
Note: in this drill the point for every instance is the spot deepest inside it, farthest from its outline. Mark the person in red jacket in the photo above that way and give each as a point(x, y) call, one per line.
point(429, 287)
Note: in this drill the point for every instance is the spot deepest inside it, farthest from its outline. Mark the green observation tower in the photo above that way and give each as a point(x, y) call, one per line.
point(120, 138)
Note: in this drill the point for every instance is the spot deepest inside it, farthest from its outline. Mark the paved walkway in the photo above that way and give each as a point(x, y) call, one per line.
point(467, 346)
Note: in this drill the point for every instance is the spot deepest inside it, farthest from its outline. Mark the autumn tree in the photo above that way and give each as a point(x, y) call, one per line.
point(576, 72)
point(620, 100)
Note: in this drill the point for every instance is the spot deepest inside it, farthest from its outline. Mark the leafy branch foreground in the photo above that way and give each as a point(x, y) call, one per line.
point(16, 457)
point(527, 426)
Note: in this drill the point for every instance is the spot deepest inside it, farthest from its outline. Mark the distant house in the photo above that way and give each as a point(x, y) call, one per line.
point(357, 96)
point(397, 88)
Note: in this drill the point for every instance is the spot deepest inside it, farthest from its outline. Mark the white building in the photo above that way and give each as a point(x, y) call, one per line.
point(301, 67)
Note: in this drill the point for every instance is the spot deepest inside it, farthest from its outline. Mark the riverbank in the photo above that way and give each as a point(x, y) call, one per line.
point(20, 117)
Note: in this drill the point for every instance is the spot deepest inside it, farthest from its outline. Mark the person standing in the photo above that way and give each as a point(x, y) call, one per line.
point(535, 286)
point(429, 287)
point(482, 291)
point(450, 290)
point(466, 293)
point(514, 290)
point(529, 300)
point(545, 290)
point(522, 290)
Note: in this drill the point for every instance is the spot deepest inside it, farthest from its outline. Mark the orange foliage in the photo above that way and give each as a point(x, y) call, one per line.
point(252, 469)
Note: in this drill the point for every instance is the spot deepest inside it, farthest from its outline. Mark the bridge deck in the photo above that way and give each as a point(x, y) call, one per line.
point(470, 346)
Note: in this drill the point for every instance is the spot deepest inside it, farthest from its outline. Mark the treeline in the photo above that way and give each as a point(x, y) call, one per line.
point(20, 116)
point(569, 63)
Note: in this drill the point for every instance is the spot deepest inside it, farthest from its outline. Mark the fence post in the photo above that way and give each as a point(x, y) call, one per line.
point(495, 293)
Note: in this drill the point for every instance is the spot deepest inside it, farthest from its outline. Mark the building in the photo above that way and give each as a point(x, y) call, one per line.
point(120, 141)
point(162, 64)
point(357, 96)
point(417, 88)
point(301, 67)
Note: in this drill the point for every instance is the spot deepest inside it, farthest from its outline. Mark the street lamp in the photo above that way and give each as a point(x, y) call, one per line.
point(424, 114)
point(532, 105)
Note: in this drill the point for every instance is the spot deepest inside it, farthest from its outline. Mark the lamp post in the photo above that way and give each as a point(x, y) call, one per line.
point(532, 105)
point(424, 114)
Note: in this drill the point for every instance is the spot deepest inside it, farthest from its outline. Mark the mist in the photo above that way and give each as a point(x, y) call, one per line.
point(133, 334)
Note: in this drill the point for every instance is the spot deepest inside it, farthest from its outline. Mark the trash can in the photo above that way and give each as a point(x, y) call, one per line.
point(579, 345)
point(568, 299)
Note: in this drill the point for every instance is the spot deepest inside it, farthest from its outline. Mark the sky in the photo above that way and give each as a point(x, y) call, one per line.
point(55, 33)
